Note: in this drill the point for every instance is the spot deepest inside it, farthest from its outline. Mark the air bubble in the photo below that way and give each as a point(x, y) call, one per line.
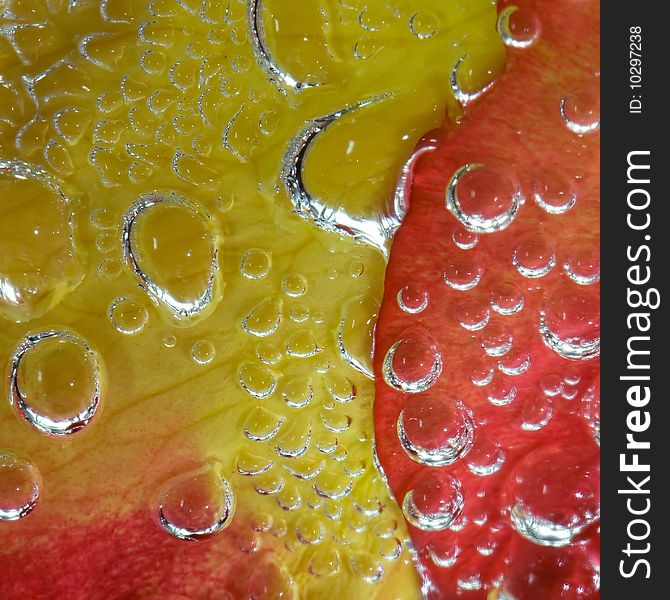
point(55, 382)
point(570, 325)
point(434, 432)
point(128, 315)
point(434, 501)
point(20, 486)
point(412, 298)
point(484, 199)
point(196, 505)
point(412, 364)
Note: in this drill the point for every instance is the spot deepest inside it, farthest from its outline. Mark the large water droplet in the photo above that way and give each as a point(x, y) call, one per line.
point(484, 199)
point(435, 432)
point(172, 246)
point(434, 501)
point(580, 111)
point(555, 493)
point(518, 28)
point(55, 382)
point(570, 325)
point(40, 263)
point(413, 364)
point(20, 486)
point(197, 504)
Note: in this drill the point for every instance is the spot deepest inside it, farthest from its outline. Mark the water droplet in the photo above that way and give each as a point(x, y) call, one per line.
point(506, 299)
point(462, 273)
point(533, 258)
point(481, 371)
point(412, 298)
point(268, 354)
point(172, 246)
point(443, 554)
point(582, 264)
point(484, 199)
point(225, 202)
point(434, 432)
point(537, 412)
point(473, 315)
point(324, 562)
point(55, 381)
point(464, 239)
point(518, 28)
point(434, 501)
point(257, 380)
point(20, 486)
point(339, 387)
point(516, 362)
point(581, 111)
point(203, 352)
point(413, 364)
point(264, 319)
point(555, 493)
point(128, 315)
point(310, 531)
point(294, 285)
point(554, 192)
point(105, 242)
point(40, 262)
point(497, 341)
point(109, 268)
point(424, 25)
point(486, 457)
point(169, 340)
point(552, 385)
point(571, 376)
point(249, 542)
point(298, 392)
point(301, 344)
point(102, 218)
point(464, 96)
point(332, 485)
point(355, 336)
point(299, 314)
point(196, 505)
point(501, 392)
point(367, 567)
point(570, 325)
point(256, 264)
point(356, 269)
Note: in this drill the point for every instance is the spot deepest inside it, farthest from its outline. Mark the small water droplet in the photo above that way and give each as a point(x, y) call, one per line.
point(518, 28)
point(556, 493)
point(473, 315)
point(128, 315)
point(484, 199)
point(515, 363)
point(55, 381)
point(434, 432)
point(169, 340)
point(501, 392)
point(424, 25)
point(413, 364)
point(298, 392)
point(256, 264)
point(203, 352)
point(533, 258)
point(506, 299)
point(537, 412)
point(225, 202)
point(339, 387)
point(582, 264)
point(434, 501)
point(443, 554)
point(268, 354)
point(301, 344)
point(554, 191)
point(462, 273)
point(570, 325)
point(552, 385)
point(196, 505)
point(412, 298)
point(294, 285)
point(105, 242)
point(580, 111)
point(20, 486)
point(464, 239)
point(109, 268)
point(264, 319)
point(356, 269)
point(367, 567)
point(324, 562)
point(257, 380)
point(496, 341)
point(486, 457)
